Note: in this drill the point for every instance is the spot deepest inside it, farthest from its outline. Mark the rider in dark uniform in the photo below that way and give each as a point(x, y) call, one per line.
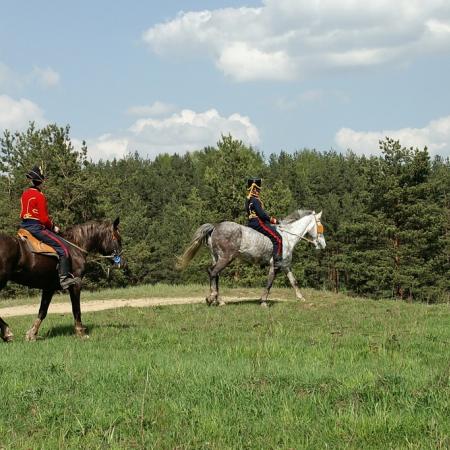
point(35, 219)
point(260, 221)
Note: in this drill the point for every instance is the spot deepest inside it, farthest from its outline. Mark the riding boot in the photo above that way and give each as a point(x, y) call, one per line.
point(66, 279)
point(277, 261)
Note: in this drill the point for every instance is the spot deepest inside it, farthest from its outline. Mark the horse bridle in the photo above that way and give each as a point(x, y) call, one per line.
point(320, 230)
point(115, 256)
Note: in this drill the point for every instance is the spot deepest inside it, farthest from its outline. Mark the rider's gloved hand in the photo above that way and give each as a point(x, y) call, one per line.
point(56, 229)
point(273, 220)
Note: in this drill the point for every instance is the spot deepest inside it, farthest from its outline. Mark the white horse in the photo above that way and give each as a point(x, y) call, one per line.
point(229, 240)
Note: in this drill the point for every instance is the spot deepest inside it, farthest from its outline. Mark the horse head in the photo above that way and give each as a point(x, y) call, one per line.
point(115, 248)
point(110, 242)
point(101, 237)
point(306, 225)
point(316, 232)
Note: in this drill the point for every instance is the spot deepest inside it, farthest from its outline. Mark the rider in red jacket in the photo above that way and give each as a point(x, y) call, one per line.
point(35, 219)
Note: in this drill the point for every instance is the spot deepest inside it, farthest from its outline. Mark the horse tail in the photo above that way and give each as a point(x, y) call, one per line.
point(200, 237)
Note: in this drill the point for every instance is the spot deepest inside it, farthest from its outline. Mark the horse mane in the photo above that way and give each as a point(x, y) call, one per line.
point(296, 215)
point(93, 234)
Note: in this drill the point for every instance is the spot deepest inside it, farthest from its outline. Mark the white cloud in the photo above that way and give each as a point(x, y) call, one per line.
point(8, 79)
point(183, 131)
point(155, 109)
point(284, 39)
point(435, 135)
point(16, 114)
point(12, 80)
point(245, 63)
point(107, 147)
point(46, 77)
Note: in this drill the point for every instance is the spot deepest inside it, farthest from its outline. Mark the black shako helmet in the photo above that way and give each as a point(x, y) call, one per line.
point(254, 182)
point(36, 175)
point(253, 187)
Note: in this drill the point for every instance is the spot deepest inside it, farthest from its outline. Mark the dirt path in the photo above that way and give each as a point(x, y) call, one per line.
point(100, 305)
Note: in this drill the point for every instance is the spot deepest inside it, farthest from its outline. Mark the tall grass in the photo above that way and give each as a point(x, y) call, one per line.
point(331, 373)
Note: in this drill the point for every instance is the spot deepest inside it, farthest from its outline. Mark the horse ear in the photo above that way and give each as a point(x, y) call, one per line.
point(319, 215)
point(116, 223)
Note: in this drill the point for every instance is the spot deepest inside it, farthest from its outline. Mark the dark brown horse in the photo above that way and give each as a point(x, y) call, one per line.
point(38, 271)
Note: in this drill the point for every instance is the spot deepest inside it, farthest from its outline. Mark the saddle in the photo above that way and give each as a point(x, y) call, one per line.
point(35, 245)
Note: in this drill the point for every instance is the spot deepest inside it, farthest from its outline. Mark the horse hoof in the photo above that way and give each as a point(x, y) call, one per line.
point(82, 336)
point(264, 305)
point(30, 337)
point(221, 303)
point(7, 335)
point(208, 301)
point(81, 332)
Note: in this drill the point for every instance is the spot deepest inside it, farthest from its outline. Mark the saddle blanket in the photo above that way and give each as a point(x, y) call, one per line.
point(35, 245)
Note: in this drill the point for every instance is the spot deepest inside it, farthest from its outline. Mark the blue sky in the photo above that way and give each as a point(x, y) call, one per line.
point(279, 74)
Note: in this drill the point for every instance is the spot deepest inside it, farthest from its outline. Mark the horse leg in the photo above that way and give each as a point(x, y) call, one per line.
point(213, 287)
point(219, 300)
point(5, 332)
point(75, 292)
point(214, 271)
point(212, 281)
point(212, 284)
point(294, 284)
point(270, 279)
point(46, 298)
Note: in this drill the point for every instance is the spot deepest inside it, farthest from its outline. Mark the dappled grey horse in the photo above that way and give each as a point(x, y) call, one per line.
point(229, 240)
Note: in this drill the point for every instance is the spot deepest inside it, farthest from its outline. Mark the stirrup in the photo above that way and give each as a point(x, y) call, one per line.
point(278, 263)
point(67, 281)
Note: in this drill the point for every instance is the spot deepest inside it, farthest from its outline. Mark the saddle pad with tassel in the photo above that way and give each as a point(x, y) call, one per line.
point(36, 246)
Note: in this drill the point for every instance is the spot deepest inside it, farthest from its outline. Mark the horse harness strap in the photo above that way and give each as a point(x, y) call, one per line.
point(86, 252)
point(301, 237)
point(320, 230)
point(75, 245)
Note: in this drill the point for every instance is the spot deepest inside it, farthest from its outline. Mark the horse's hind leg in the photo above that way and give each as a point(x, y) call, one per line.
point(212, 288)
point(213, 298)
point(270, 279)
point(46, 298)
point(5, 332)
point(212, 282)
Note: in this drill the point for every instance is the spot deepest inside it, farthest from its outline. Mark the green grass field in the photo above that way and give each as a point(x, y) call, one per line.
point(333, 372)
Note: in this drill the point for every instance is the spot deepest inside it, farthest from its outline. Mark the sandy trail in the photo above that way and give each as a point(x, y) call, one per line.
point(100, 305)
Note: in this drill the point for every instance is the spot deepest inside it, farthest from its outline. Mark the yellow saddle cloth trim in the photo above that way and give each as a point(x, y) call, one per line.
point(36, 245)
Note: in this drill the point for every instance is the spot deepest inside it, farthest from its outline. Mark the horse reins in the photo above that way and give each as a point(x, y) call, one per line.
point(311, 241)
point(86, 252)
point(74, 245)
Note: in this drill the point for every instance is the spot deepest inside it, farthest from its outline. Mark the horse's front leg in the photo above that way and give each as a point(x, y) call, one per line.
point(294, 284)
point(270, 279)
point(75, 292)
point(46, 298)
point(5, 332)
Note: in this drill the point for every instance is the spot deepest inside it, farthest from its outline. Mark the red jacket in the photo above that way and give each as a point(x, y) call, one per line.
point(34, 206)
